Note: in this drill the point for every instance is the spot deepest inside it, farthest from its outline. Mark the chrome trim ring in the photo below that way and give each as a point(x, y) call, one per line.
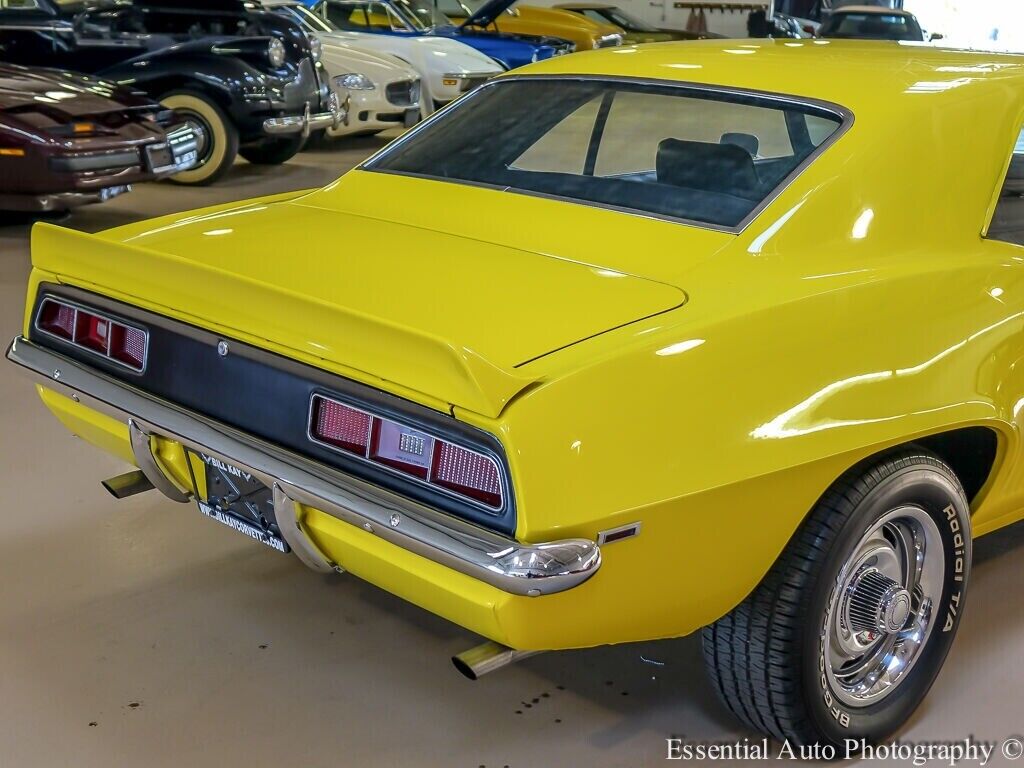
point(522, 569)
point(882, 613)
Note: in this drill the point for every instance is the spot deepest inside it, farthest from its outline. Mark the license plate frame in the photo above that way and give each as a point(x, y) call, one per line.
point(159, 157)
point(241, 491)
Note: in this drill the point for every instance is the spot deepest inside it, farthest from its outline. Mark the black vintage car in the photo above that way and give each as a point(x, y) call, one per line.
point(246, 81)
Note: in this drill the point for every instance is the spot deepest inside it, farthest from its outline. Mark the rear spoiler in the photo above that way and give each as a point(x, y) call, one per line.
point(182, 288)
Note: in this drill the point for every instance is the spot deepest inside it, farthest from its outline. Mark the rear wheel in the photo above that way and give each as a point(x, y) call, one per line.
point(847, 632)
point(217, 137)
point(273, 151)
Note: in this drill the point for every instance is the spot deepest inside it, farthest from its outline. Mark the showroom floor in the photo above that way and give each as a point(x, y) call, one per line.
point(138, 633)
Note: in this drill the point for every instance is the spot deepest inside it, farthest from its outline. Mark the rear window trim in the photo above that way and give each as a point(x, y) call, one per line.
point(824, 108)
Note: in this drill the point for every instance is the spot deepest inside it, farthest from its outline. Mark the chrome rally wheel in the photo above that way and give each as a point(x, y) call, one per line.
point(883, 613)
point(849, 628)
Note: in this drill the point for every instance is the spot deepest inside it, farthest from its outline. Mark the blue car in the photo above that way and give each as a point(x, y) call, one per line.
point(421, 17)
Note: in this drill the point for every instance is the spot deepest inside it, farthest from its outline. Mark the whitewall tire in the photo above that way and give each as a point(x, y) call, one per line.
point(218, 137)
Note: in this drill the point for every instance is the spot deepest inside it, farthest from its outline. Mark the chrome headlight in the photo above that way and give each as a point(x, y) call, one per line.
point(275, 53)
point(316, 48)
point(354, 82)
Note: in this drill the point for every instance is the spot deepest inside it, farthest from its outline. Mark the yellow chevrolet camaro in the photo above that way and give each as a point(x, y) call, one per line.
point(720, 336)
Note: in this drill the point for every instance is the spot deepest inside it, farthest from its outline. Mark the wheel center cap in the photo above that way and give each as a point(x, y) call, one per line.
point(896, 610)
point(877, 603)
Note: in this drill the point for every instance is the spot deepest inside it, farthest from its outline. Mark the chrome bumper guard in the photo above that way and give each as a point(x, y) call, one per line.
point(520, 569)
point(306, 123)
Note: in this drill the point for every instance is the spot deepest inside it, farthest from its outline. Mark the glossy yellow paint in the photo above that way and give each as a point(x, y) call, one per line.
point(534, 20)
point(862, 309)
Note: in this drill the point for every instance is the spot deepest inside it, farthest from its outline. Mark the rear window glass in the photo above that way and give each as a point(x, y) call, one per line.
point(698, 155)
point(1008, 220)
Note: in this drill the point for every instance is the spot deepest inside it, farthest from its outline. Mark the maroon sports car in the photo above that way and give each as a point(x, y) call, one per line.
point(67, 140)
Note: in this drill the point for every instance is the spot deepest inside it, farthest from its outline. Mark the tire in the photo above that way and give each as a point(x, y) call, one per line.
point(219, 144)
point(273, 151)
point(779, 660)
point(318, 139)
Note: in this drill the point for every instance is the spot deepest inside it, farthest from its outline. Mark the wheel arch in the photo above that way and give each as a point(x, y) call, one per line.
point(163, 86)
point(972, 453)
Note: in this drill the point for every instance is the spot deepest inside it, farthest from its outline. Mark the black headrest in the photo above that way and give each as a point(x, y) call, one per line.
point(723, 168)
point(748, 141)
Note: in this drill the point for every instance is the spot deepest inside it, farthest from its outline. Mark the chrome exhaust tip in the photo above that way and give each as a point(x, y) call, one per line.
point(128, 484)
point(487, 657)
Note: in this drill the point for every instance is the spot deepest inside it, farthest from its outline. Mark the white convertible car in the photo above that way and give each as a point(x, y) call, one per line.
point(446, 67)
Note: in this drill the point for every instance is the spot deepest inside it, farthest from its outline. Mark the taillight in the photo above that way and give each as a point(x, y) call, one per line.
point(340, 425)
point(411, 452)
point(58, 319)
point(128, 345)
point(97, 333)
point(92, 331)
point(407, 450)
point(467, 473)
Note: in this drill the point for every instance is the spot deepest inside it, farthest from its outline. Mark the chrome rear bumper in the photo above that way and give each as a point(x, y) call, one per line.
point(520, 569)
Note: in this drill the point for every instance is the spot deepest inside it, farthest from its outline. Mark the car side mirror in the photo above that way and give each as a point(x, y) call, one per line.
point(936, 36)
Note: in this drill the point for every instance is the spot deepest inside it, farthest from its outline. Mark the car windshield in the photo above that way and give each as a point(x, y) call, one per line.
point(872, 26)
point(363, 16)
point(619, 18)
point(680, 152)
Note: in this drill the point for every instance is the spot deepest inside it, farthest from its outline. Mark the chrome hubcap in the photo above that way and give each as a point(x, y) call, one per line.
point(880, 616)
point(202, 134)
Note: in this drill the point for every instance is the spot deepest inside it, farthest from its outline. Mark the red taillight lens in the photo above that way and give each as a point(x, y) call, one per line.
point(340, 425)
point(92, 331)
point(128, 345)
point(467, 472)
point(58, 319)
point(95, 332)
point(408, 451)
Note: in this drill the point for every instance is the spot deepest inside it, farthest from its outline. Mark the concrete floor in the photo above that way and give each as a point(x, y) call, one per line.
point(138, 633)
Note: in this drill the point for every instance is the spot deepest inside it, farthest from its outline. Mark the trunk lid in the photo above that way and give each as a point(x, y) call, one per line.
point(445, 315)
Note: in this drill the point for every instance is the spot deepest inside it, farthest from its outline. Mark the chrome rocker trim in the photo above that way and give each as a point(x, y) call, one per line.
point(520, 569)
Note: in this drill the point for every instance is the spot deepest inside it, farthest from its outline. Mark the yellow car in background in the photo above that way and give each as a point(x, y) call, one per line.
point(586, 33)
point(634, 30)
point(679, 358)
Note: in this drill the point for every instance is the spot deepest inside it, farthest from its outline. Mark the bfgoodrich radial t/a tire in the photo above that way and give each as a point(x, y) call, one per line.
point(847, 632)
point(218, 137)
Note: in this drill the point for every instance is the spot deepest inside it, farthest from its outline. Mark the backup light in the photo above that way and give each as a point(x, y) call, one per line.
point(94, 332)
point(410, 452)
